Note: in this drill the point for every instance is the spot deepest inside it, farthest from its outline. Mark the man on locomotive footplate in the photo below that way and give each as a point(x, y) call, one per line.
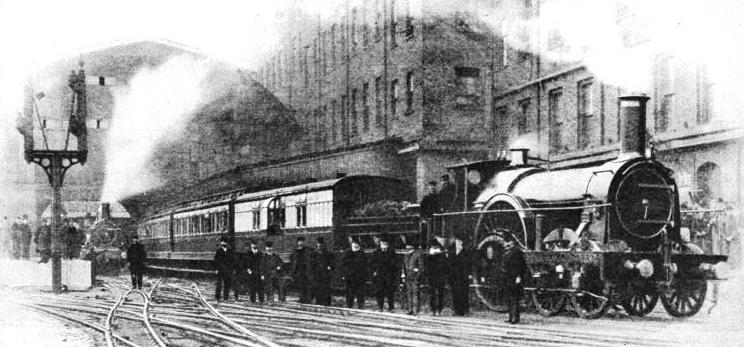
point(461, 267)
point(514, 269)
point(435, 265)
point(300, 260)
point(321, 268)
point(224, 266)
point(385, 270)
point(413, 268)
point(252, 268)
point(272, 274)
point(446, 195)
point(136, 257)
point(429, 206)
point(43, 240)
point(355, 275)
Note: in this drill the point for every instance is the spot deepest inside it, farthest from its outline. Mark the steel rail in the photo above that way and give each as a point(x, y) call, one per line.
point(110, 317)
point(146, 318)
point(229, 322)
point(81, 322)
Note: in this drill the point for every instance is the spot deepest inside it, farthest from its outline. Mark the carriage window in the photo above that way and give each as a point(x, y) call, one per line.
point(207, 223)
point(301, 215)
point(256, 219)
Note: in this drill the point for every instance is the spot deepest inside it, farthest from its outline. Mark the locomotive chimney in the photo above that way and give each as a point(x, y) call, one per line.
point(633, 125)
point(518, 156)
point(105, 211)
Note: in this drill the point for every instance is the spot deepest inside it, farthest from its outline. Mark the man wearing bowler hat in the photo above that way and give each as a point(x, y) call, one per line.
point(300, 260)
point(253, 268)
point(136, 257)
point(224, 265)
point(514, 269)
point(355, 275)
point(385, 271)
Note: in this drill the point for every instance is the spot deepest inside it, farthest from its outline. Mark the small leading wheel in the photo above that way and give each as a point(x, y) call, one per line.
point(548, 303)
point(640, 299)
point(684, 297)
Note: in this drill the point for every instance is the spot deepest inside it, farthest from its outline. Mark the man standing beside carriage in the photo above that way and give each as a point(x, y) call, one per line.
point(460, 267)
point(272, 274)
point(224, 265)
point(321, 269)
point(385, 270)
point(43, 240)
point(355, 275)
point(300, 260)
point(252, 267)
point(436, 270)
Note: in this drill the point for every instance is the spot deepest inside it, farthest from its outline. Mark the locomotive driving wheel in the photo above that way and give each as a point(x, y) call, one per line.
point(640, 298)
point(548, 303)
point(684, 297)
point(491, 231)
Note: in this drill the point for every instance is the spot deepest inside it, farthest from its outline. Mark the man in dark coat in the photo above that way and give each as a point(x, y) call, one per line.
point(413, 269)
point(272, 274)
point(385, 274)
point(321, 268)
point(461, 267)
point(71, 238)
point(43, 241)
point(15, 237)
point(224, 266)
point(252, 267)
point(355, 275)
point(514, 269)
point(25, 237)
point(136, 256)
point(300, 260)
point(435, 266)
point(447, 195)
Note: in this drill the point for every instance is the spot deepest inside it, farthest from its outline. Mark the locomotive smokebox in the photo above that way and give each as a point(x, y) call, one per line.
point(105, 211)
point(633, 125)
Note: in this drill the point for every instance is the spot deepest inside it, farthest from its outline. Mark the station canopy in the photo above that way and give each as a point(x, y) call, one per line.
point(82, 209)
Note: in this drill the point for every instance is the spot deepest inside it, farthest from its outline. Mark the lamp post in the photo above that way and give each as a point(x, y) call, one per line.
point(56, 162)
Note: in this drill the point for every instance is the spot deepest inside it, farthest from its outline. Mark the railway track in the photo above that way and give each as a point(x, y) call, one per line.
point(176, 313)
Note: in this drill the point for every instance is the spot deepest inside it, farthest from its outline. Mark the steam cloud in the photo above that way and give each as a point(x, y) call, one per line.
point(155, 108)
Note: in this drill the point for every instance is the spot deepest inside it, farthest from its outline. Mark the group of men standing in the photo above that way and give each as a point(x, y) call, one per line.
point(256, 273)
point(16, 238)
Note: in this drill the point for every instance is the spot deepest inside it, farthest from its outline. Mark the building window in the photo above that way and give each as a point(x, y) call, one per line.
point(353, 28)
point(709, 184)
point(378, 19)
point(378, 100)
point(344, 115)
point(365, 23)
point(499, 122)
point(409, 92)
point(354, 124)
point(98, 124)
point(365, 106)
point(467, 85)
point(706, 96)
point(556, 124)
point(584, 109)
point(394, 97)
point(409, 21)
point(665, 75)
point(333, 119)
point(524, 108)
point(393, 24)
point(333, 44)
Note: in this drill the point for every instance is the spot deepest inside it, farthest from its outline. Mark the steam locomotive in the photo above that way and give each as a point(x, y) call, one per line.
point(107, 239)
point(593, 237)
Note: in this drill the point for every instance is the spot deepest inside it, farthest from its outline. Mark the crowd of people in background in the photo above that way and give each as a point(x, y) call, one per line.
point(380, 274)
point(715, 226)
point(17, 238)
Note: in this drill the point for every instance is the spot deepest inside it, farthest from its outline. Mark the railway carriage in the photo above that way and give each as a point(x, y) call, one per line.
point(184, 237)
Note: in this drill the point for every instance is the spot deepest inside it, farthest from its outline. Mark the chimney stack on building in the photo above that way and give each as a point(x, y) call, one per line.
point(633, 125)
